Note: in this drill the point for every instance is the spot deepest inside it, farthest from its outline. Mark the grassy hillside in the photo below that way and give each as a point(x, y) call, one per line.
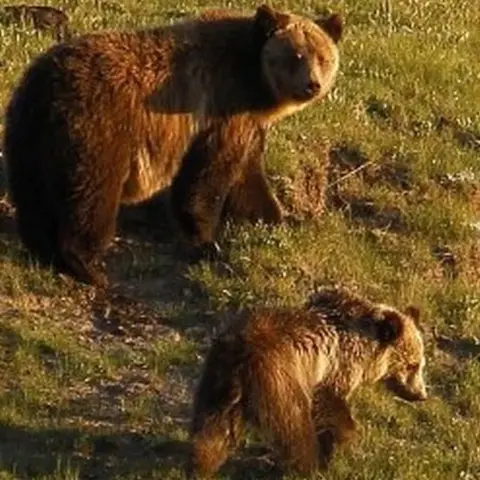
point(101, 388)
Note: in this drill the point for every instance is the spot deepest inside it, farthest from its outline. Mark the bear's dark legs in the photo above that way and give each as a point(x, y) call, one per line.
point(36, 227)
point(213, 164)
point(293, 433)
point(87, 227)
point(217, 423)
point(213, 439)
point(280, 408)
point(199, 190)
point(81, 264)
point(69, 236)
point(251, 198)
point(34, 217)
point(334, 423)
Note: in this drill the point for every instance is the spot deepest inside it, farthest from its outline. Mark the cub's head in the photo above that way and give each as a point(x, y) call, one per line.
point(403, 361)
point(299, 57)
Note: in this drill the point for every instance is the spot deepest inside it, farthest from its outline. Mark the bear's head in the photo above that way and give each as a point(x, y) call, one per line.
point(299, 57)
point(403, 358)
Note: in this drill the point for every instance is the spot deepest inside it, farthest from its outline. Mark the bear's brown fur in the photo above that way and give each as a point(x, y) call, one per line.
point(291, 373)
point(114, 117)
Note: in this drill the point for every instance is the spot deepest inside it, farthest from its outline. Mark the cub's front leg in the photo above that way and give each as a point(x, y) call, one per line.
point(334, 423)
point(251, 198)
point(213, 163)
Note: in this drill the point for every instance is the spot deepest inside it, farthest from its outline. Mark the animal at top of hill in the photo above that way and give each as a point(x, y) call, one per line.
point(112, 118)
point(291, 372)
point(41, 17)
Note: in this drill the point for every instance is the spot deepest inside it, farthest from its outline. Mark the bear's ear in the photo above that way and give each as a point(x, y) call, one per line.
point(389, 328)
point(414, 313)
point(332, 25)
point(267, 20)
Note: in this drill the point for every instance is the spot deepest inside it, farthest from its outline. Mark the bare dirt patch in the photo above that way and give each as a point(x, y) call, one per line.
point(347, 161)
point(304, 194)
point(391, 169)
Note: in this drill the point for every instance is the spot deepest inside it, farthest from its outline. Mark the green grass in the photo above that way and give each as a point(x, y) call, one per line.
point(104, 391)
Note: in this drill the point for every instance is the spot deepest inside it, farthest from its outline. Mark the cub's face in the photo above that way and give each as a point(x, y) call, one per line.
point(406, 359)
point(299, 57)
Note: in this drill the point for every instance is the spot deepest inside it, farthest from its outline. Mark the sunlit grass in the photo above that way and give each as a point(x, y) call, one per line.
point(74, 404)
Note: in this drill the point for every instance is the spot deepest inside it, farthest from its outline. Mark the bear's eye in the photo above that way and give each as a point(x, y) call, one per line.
point(296, 59)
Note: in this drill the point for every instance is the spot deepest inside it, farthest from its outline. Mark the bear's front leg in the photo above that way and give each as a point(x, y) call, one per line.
point(251, 198)
point(334, 423)
point(212, 165)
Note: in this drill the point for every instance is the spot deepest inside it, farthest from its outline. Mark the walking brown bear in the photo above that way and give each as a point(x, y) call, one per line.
point(112, 118)
point(290, 373)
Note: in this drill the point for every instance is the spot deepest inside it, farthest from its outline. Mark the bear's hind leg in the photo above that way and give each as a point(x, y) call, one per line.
point(81, 264)
point(294, 436)
point(282, 411)
point(36, 227)
point(218, 436)
point(218, 420)
point(87, 227)
point(35, 219)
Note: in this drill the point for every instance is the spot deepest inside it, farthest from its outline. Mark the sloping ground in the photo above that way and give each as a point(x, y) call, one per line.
point(382, 185)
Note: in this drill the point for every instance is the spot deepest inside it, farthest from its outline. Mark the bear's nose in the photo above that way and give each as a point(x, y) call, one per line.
point(313, 87)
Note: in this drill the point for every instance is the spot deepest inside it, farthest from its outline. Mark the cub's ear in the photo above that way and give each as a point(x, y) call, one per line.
point(414, 313)
point(390, 327)
point(332, 25)
point(267, 20)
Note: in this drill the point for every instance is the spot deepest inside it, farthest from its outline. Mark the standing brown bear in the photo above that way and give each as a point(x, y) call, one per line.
point(291, 373)
point(114, 117)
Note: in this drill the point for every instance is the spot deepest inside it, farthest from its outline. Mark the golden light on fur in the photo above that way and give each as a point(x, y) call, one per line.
point(291, 372)
point(111, 118)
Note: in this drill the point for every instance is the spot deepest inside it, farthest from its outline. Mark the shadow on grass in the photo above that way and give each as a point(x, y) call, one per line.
point(144, 266)
point(31, 453)
point(11, 341)
point(461, 348)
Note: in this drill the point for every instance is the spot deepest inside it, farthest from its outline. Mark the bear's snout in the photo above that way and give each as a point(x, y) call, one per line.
point(313, 88)
point(309, 91)
point(398, 388)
